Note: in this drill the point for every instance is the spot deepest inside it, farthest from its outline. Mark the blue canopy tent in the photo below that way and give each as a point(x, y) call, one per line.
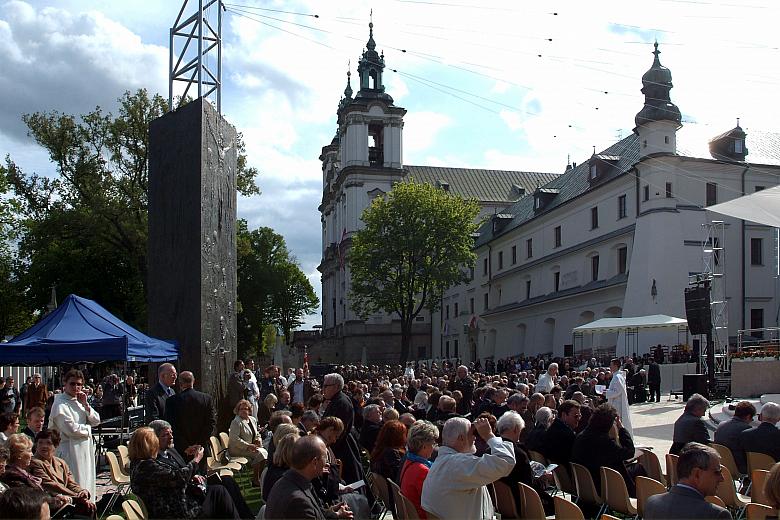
point(80, 330)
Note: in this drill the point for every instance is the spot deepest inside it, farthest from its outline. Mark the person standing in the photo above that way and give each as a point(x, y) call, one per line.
point(9, 397)
point(465, 385)
point(547, 380)
point(191, 414)
point(236, 384)
point(112, 398)
point(339, 405)
point(617, 395)
point(157, 395)
point(654, 380)
point(36, 394)
point(73, 418)
point(301, 389)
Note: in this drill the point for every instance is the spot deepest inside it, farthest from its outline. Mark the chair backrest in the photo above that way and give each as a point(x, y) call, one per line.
point(409, 510)
point(586, 489)
point(726, 458)
point(563, 480)
point(216, 449)
point(133, 510)
point(758, 480)
point(605, 516)
point(671, 469)
point(726, 490)
point(532, 504)
point(124, 458)
point(758, 512)
point(505, 501)
point(649, 460)
point(118, 477)
point(757, 460)
point(432, 516)
point(712, 499)
point(567, 510)
point(645, 488)
point(538, 457)
point(380, 488)
point(615, 492)
point(224, 439)
point(399, 505)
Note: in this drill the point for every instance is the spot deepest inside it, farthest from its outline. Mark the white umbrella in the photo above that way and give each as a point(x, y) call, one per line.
point(762, 207)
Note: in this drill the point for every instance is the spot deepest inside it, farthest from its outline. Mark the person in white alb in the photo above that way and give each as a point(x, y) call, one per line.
point(455, 485)
point(73, 418)
point(547, 380)
point(616, 395)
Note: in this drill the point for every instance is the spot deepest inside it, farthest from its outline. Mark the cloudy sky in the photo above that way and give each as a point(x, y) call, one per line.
point(487, 84)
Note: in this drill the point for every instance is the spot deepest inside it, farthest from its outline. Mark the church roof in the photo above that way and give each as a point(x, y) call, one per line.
point(483, 185)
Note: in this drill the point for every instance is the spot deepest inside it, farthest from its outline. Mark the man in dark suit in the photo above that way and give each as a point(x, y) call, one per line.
point(191, 414)
point(466, 385)
point(689, 427)
point(654, 381)
point(167, 454)
point(728, 432)
point(559, 438)
point(372, 423)
point(764, 438)
point(699, 474)
point(339, 405)
point(293, 496)
point(157, 395)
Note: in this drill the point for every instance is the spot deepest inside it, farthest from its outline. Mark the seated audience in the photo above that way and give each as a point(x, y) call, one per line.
point(390, 414)
point(728, 432)
point(35, 417)
point(372, 423)
point(284, 439)
point(389, 450)
point(690, 426)
point(558, 440)
point(292, 496)
point(480, 444)
point(16, 474)
point(55, 474)
point(420, 442)
point(605, 442)
point(163, 487)
point(266, 408)
point(772, 487)
point(699, 473)
point(535, 439)
point(3, 462)
point(245, 441)
point(455, 485)
point(24, 503)
point(9, 424)
point(309, 421)
point(420, 406)
point(764, 438)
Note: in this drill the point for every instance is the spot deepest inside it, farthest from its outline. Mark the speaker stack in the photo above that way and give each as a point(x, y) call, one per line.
point(697, 309)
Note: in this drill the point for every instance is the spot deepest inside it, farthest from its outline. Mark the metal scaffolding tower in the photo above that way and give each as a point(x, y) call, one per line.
point(191, 63)
point(715, 355)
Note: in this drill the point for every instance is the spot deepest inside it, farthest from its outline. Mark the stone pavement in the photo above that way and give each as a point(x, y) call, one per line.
point(653, 424)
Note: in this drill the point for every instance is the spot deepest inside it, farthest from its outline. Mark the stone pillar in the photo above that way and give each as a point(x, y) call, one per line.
point(192, 241)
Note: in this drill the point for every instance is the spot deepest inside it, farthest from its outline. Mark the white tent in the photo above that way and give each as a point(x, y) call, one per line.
point(762, 207)
point(607, 325)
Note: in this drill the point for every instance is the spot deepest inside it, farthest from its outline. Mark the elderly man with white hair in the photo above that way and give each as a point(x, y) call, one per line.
point(547, 380)
point(340, 405)
point(455, 485)
point(764, 438)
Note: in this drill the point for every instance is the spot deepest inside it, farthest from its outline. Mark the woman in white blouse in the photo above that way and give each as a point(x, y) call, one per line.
point(245, 440)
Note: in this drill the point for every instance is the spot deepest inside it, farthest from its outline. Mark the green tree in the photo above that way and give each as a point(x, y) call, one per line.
point(85, 229)
point(293, 299)
point(414, 245)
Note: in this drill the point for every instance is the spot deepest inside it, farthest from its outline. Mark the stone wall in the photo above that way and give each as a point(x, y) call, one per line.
point(754, 377)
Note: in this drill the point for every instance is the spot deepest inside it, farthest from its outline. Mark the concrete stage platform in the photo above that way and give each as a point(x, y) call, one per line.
point(725, 411)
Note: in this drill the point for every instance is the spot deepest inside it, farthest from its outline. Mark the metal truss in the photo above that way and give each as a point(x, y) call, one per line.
point(190, 64)
point(714, 271)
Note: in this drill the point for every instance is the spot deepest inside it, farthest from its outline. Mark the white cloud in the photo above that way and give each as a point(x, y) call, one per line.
point(422, 128)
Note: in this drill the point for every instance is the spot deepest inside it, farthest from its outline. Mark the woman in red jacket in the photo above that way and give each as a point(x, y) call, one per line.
point(422, 440)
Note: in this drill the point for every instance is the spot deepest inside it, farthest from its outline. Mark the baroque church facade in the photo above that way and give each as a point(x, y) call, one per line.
point(615, 236)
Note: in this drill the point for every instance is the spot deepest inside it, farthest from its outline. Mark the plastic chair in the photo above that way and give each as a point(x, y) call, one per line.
point(757, 460)
point(118, 478)
point(224, 442)
point(758, 512)
point(727, 459)
point(567, 510)
point(615, 492)
point(564, 482)
point(586, 489)
point(532, 505)
point(381, 489)
point(399, 506)
point(645, 488)
point(538, 457)
point(114, 517)
point(649, 460)
point(728, 493)
point(432, 516)
point(124, 458)
point(712, 499)
point(134, 510)
point(605, 516)
point(758, 480)
point(404, 506)
point(505, 500)
point(671, 469)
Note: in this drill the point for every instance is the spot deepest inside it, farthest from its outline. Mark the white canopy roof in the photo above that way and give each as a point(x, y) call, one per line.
point(762, 207)
point(639, 322)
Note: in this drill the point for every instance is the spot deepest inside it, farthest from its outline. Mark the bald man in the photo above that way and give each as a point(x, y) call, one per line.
point(191, 414)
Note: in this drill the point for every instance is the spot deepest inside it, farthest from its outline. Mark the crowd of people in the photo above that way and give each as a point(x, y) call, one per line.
point(442, 432)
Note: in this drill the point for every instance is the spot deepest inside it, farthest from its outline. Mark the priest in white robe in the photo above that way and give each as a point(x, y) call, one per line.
point(617, 395)
point(73, 418)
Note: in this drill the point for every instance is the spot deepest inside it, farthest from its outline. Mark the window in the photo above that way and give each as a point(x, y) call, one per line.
point(622, 260)
point(666, 139)
point(485, 302)
point(622, 207)
point(594, 218)
point(712, 194)
point(594, 268)
point(500, 260)
point(484, 266)
point(646, 193)
point(527, 289)
point(556, 281)
point(471, 305)
point(456, 348)
point(756, 319)
point(594, 171)
point(738, 146)
point(456, 313)
point(668, 190)
point(447, 348)
point(529, 248)
point(756, 256)
point(471, 273)
point(447, 312)
point(557, 236)
point(514, 255)
point(759, 188)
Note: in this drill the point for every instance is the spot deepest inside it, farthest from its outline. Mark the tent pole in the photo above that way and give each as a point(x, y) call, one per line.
point(122, 429)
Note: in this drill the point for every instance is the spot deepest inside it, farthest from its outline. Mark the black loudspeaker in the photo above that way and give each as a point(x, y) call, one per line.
point(694, 384)
point(697, 310)
point(568, 351)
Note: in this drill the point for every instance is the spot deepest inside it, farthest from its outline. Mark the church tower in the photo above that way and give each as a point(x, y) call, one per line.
point(658, 121)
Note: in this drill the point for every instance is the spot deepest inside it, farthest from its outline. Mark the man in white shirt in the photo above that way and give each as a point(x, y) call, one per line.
point(547, 380)
point(455, 485)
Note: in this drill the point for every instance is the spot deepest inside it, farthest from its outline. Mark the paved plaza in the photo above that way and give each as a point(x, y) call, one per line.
point(653, 424)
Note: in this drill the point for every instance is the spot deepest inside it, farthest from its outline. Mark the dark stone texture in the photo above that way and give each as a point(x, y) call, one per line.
point(192, 240)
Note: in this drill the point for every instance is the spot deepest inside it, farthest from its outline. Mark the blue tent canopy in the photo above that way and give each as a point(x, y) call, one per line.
point(80, 330)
